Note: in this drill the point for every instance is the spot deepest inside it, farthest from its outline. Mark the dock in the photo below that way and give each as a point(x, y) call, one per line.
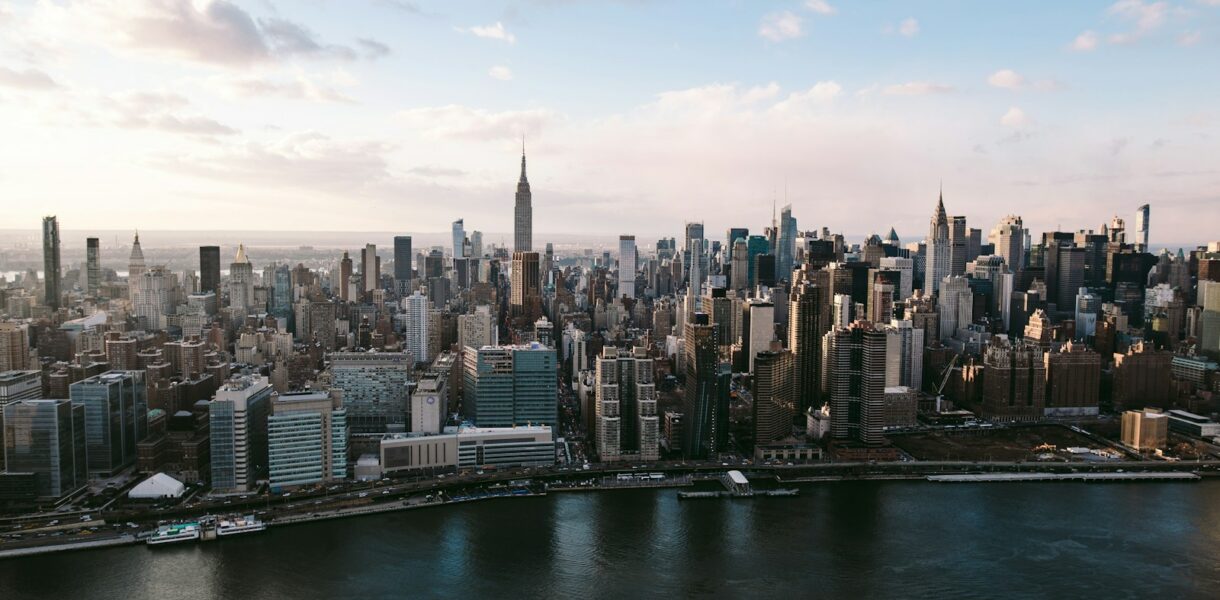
point(1108, 476)
point(737, 486)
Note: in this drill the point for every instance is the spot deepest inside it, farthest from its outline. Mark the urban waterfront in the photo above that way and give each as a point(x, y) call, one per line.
point(849, 539)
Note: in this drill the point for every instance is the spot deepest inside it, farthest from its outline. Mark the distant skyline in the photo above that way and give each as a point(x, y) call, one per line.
point(638, 116)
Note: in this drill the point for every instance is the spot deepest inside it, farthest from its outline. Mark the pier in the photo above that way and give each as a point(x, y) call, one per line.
point(1107, 476)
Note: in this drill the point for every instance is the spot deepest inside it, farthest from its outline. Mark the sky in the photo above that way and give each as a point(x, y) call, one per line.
point(401, 115)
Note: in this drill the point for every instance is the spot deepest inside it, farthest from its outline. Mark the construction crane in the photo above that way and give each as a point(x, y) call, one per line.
point(944, 379)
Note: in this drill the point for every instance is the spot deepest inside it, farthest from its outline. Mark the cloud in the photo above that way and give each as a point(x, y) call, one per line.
point(373, 49)
point(1006, 78)
point(909, 27)
point(214, 32)
point(1147, 17)
point(491, 32)
point(307, 161)
point(159, 111)
point(822, 92)
point(301, 87)
point(780, 26)
point(429, 171)
point(820, 7)
point(1085, 42)
point(500, 72)
point(916, 88)
point(1191, 38)
point(463, 123)
point(710, 100)
point(1015, 118)
point(28, 79)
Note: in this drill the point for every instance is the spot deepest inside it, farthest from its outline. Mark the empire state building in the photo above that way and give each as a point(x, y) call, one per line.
point(523, 213)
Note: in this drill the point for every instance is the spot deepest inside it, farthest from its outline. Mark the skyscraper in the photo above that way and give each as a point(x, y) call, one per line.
point(523, 212)
point(525, 299)
point(404, 260)
point(626, 266)
point(415, 321)
point(808, 321)
point(855, 358)
point(238, 433)
point(307, 439)
point(459, 239)
point(50, 261)
point(116, 418)
point(375, 389)
point(370, 268)
point(706, 403)
point(135, 266)
point(774, 404)
point(507, 386)
point(939, 253)
point(209, 269)
point(1141, 227)
point(626, 421)
point(93, 265)
point(786, 246)
point(1008, 236)
point(47, 438)
point(241, 282)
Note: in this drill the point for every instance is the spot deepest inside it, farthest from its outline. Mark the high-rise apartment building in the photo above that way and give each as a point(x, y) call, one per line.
point(14, 346)
point(1073, 381)
point(855, 367)
point(1014, 381)
point(50, 262)
point(478, 329)
point(625, 405)
point(415, 325)
point(93, 265)
point(774, 395)
point(238, 433)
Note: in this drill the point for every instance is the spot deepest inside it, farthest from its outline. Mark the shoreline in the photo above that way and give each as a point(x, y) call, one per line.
point(962, 475)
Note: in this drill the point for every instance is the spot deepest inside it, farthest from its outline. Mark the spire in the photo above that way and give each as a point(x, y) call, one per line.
point(523, 179)
point(241, 254)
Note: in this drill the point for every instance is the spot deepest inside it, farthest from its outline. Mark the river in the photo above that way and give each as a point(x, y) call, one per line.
point(837, 540)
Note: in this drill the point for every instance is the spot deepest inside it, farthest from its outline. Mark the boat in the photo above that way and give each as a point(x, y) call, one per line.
point(178, 532)
point(239, 525)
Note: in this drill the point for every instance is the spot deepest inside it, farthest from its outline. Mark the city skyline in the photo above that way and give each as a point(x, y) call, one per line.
point(180, 114)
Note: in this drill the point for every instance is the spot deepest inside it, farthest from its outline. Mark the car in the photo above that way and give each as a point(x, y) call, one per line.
point(364, 495)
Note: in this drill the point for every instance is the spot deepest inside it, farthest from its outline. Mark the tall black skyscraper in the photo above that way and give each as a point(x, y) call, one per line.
point(403, 258)
point(93, 265)
point(706, 405)
point(209, 269)
point(808, 321)
point(50, 260)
